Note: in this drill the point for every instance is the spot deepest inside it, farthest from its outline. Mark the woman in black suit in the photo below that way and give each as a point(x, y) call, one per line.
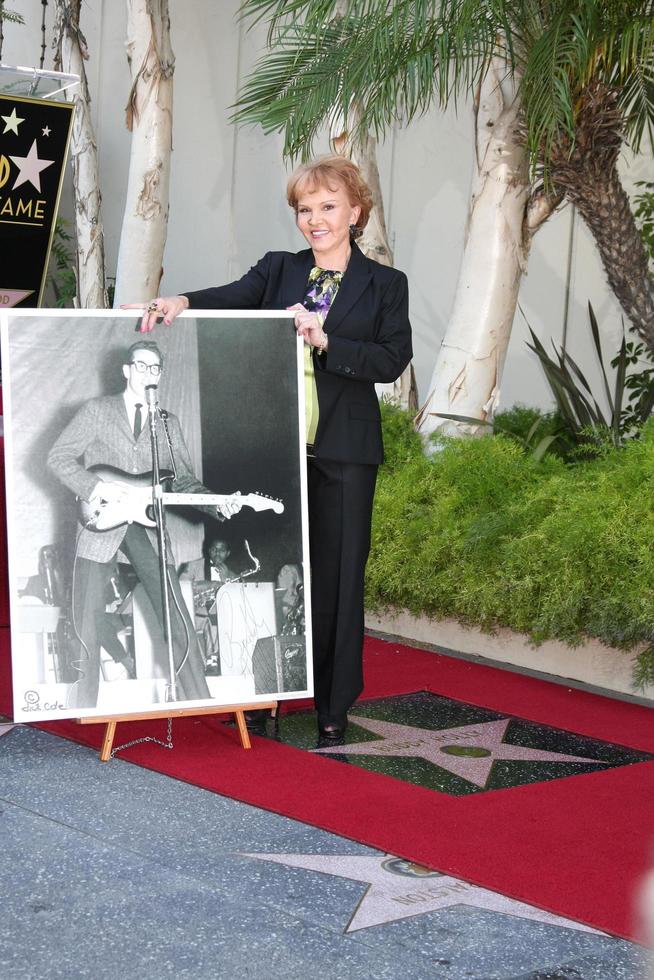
point(353, 315)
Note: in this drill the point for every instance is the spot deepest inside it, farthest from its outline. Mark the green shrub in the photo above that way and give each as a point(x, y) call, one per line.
point(401, 441)
point(482, 532)
point(523, 421)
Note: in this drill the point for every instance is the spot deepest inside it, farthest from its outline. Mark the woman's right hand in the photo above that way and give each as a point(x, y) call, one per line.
point(167, 307)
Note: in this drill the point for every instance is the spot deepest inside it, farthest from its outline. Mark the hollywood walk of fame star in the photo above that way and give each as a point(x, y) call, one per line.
point(468, 751)
point(12, 122)
point(399, 889)
point(46, 130)
point(30, 168)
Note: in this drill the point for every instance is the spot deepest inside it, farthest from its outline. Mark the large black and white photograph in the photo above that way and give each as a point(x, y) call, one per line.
point(156, 507)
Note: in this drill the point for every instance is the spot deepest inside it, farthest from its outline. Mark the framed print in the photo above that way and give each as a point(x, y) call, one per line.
point(156, 511)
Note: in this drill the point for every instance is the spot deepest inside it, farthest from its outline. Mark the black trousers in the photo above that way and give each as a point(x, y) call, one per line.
point(340, 515)
point(90, 584)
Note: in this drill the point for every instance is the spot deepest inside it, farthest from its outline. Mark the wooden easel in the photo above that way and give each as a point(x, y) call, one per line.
point(236, 709)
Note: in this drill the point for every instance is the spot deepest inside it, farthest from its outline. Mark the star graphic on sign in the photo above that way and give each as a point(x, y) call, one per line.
point(399, 889)
point(30, 168)
point(46, 130)
point(468, 751)
point(12, 122)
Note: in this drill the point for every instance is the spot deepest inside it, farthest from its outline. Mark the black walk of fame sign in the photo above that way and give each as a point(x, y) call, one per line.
point(34, 136)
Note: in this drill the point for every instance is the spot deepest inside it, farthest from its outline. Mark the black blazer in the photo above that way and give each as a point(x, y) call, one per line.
point(369, 340)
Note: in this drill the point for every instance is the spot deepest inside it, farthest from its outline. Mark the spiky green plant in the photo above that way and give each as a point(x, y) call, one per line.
point(575, 401)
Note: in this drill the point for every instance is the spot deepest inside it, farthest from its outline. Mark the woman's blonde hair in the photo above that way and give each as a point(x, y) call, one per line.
point(323, 172)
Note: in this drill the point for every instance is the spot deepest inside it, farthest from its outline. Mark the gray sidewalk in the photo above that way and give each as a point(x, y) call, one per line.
point(112, 872)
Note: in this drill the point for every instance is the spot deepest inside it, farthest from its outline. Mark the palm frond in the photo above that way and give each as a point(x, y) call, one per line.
point(278, 13)
point(307, 79)
point(637, 105)
point(11, 16)
point(396, 57)
point(546, 90)
point(284, 15)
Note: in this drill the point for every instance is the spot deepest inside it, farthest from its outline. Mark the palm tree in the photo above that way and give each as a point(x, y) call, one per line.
point(559, 88)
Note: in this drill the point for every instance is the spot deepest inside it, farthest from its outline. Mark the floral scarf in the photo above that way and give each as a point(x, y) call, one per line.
point(321, 291)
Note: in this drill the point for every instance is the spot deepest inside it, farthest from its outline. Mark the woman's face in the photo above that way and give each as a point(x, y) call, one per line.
point(324, 216)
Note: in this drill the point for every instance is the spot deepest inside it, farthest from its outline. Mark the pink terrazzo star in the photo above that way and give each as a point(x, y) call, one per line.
point(399, 889)
point(468, 751)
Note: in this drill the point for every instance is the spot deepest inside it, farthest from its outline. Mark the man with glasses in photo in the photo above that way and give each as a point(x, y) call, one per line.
point(112, 433)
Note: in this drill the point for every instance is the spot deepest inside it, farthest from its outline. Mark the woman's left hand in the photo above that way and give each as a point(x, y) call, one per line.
point(309, 326)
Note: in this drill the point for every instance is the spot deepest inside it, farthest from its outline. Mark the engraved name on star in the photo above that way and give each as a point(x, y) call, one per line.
point(12, 122)
point(468, 751)
point(30, 168)
point(399, 889)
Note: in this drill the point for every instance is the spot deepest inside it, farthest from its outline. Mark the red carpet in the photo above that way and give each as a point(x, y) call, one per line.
point(576, 846)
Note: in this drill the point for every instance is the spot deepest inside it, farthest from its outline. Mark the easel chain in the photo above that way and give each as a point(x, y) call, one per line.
point(238, 710)
point(168, 744)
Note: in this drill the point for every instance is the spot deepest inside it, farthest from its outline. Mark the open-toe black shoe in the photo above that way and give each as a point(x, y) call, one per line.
point(331, 735)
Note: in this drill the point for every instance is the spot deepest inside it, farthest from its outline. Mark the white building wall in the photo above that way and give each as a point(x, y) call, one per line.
point(227, 192)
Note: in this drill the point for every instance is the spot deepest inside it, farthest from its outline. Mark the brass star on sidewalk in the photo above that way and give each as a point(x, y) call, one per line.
point(399, 889)
point(468, 751)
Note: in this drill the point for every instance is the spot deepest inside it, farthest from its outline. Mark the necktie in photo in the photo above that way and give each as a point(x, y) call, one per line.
point(138, 420)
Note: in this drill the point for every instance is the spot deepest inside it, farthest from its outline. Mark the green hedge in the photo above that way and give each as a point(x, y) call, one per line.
point(481, 532)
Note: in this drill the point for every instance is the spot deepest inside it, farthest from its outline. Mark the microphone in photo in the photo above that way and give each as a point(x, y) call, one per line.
point(151, 397)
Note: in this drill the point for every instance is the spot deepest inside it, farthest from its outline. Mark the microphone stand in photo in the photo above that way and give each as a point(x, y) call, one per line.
point(159, 497)
point(160, 520)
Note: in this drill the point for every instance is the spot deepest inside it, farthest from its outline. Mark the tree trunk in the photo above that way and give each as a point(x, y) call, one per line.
point(586, 171)
point(604, 205)
point(149, 117)
point(374, 242)
point(71, 53)
point(466, 378)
